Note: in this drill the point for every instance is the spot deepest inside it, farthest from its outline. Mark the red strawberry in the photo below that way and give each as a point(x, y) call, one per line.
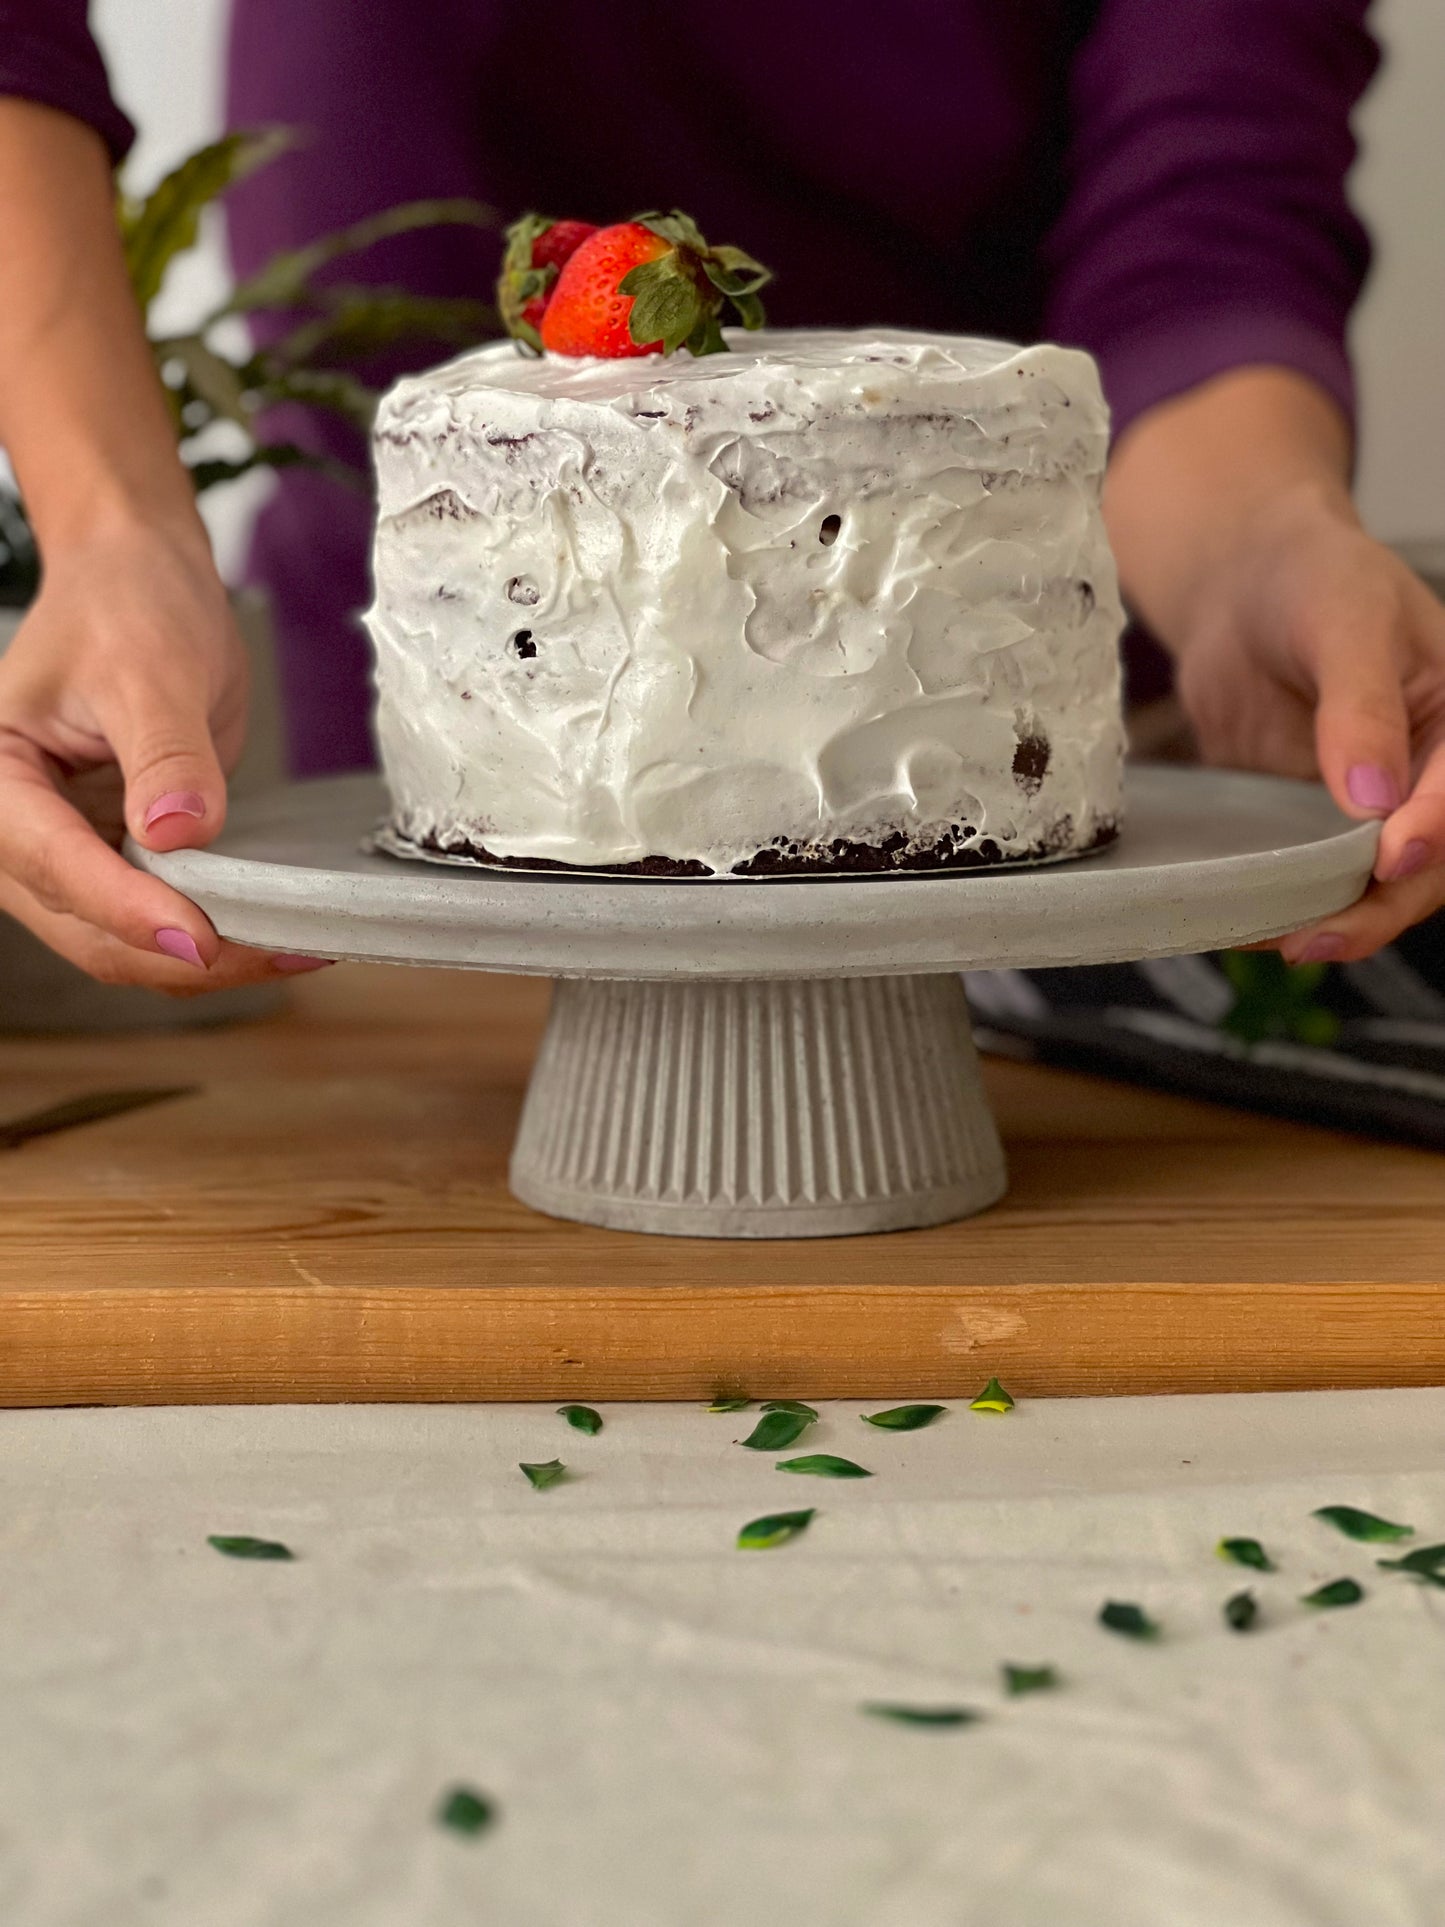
point(537, 249)
point(556, 245)
point(649, 284)
point(588, 314)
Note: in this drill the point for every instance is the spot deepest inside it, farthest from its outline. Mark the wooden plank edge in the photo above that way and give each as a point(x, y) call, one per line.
point(223, 1345)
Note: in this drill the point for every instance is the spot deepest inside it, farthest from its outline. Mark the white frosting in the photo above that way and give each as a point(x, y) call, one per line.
point(711, 674)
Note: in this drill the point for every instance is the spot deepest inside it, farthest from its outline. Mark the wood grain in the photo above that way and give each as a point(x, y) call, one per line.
point(328, 1218)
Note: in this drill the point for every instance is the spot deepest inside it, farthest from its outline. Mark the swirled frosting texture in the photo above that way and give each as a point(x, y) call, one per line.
point(830, 586)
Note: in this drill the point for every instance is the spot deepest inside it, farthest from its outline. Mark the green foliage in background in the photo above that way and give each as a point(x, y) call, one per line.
point(1273, 999)
point(327, 329)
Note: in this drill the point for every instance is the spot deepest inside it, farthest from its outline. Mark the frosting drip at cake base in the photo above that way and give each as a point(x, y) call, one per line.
point(830, 588)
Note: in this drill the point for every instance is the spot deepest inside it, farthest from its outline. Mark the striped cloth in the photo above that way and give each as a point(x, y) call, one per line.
point(1356, 1047)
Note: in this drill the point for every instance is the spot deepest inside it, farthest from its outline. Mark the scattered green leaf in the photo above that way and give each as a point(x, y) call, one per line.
point(993, 1398)
point(775, 1431)
point(1339, 1592)
point(581, 1418)
point(1241, 1611)
point(794, 1405)
point(824, 1465)
point(1018, 1680)
point(730, 1405)
point(465, 1811)
point(1245, 1552)
point(774, 1530)
point(239, 1546)
point(552, 1473)
point(934, 1716)
point(903, 1418)
point(1425, 1562)
point(1362, 1525)
point(1132, 1621)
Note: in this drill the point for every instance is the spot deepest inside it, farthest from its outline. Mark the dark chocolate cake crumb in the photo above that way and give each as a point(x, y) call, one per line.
point(893, 856)
point(523, 645)
point(1031, 762)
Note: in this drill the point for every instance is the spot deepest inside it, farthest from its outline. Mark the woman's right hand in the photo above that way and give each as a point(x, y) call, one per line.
point(122, 703)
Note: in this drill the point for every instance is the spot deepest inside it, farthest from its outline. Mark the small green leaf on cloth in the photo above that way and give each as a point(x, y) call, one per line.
point(794, 1405)
point(936, 1717)
point(1120, 1616)
point(730, 1405)
point(903, 1418)
point(581, 1418)
point(465, 1812)
point(775, 1431)
point(1339, 1592)
point(1241, 1610)
point(541, 1476)
point(239, 1545)
point(1425, 1562)
point(1018, 1680)
point(1245, 1552)
point(825, 1465)
point(1362, 1525)
point(775, 1529)
point(993, 1398)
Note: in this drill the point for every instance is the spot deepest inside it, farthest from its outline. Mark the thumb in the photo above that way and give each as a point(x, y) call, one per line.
point(175, 790)
point(1362, 727)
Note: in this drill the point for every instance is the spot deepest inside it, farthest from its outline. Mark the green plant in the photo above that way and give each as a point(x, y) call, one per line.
point(328, 328)
point(1273, 999)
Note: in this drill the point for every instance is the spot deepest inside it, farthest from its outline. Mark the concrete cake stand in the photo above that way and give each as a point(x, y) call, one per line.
point(779, 1058)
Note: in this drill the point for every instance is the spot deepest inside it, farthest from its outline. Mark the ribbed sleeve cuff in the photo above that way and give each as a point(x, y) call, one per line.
point(68, 81)
point(1154, 364)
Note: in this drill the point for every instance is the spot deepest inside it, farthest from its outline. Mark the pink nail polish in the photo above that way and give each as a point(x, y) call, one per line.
point(1414, 856)
point(176, 943)
point(294, 966)
point(1373, 788)
point(174, 803)
point(1321, 949)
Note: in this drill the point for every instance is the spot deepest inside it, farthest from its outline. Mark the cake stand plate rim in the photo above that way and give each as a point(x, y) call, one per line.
point(287, 873)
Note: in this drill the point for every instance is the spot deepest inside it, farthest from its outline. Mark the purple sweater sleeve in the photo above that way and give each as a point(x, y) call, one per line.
point(1206, 225)
point(47, 54)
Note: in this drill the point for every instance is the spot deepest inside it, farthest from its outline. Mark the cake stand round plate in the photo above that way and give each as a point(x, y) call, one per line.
point(779, 1057)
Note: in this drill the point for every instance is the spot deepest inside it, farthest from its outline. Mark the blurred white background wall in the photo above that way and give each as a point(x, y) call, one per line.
point(165, 59)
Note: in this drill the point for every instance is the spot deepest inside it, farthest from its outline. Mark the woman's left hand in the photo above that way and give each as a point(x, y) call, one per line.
point(1302, 646)
point(1315, 651)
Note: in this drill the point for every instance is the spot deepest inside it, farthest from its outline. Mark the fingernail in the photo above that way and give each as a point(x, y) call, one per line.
point(295, 965)
point(1373, 788)
point(1322, 949)
point(174, 803)
point(1414, 856)
point(176, 943)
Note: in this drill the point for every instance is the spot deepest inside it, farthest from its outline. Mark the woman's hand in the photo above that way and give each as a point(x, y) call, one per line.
point(1314, 651)
point(123, 697)
point(122, 701)
point(1302, 646)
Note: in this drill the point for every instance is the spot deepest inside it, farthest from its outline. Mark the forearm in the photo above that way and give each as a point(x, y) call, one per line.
point(82, 414)
point(1200, 477)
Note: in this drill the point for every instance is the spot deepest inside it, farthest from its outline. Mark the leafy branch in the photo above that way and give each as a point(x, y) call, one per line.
point(330, 328)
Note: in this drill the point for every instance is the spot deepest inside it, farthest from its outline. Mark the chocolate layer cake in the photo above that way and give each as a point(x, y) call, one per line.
point(829, 602)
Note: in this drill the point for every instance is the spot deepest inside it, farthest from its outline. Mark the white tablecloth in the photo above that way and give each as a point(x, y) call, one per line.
point(671, 1728)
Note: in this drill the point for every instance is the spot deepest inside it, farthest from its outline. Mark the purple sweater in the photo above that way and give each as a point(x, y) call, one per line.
point(1159, 181)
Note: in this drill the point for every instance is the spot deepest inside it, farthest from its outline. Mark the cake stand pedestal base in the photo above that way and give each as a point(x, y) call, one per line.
point(764, 1108)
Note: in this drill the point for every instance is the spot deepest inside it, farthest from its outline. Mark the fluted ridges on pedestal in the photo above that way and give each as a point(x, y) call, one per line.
point(773, 1095)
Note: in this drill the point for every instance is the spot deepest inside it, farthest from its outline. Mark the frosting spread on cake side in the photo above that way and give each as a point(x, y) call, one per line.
point(830, 588)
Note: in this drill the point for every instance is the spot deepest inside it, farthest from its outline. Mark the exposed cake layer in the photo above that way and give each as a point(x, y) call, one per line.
point(832, 588)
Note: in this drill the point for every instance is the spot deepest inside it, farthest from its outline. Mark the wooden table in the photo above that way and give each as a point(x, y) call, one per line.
point(328, 1218)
